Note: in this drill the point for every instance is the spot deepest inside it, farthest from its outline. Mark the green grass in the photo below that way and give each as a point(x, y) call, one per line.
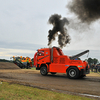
point(95, 72)
point(19, 92)
point(33, 68)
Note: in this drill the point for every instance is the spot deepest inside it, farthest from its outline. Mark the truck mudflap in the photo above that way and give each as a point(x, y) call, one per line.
point(38, 67)
point(87, 71)
point(84, 72)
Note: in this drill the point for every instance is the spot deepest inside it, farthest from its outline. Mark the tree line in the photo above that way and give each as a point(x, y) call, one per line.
point(4, 60)
point(92, 61)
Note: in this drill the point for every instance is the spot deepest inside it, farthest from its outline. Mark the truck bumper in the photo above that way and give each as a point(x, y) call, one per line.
point(87, 71)
point(84, 72)
point(37, 68)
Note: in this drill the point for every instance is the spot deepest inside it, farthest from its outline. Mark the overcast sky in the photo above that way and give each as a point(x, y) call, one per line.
point(24, 28)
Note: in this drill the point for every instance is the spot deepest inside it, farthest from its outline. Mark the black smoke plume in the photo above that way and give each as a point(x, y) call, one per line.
point(58, 26)
point(87, 10)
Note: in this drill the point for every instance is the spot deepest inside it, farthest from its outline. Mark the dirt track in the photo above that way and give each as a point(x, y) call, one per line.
point(7, 65)
point(58, 82)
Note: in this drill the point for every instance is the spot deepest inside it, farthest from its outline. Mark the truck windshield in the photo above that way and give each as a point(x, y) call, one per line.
point(40, 53)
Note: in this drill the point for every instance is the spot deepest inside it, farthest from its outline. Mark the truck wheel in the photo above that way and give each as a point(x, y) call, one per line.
point(43, 70)
point(73, 72)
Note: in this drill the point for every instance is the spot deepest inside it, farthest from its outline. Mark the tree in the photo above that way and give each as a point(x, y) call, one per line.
point(95, 61)
point(92, 61)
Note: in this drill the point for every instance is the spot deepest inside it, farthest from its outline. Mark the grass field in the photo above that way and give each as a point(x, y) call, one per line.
point(97, 74)
point(10, 91)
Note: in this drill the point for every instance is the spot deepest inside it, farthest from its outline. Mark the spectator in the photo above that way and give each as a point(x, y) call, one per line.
point(92, 66)
point(96, 68)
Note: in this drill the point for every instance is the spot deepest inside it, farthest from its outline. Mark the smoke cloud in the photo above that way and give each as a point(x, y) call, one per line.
point(58, 26)
point(87, 11)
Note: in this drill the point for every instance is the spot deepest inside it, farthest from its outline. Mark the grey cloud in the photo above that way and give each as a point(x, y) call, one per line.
point(92, 53)
point(19, 45)
point(24, 24)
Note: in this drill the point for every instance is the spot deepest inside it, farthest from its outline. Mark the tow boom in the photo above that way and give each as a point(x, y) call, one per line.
point(78, 55)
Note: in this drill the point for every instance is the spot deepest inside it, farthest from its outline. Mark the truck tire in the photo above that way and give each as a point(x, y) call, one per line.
point(43, 70)
point(73, 73)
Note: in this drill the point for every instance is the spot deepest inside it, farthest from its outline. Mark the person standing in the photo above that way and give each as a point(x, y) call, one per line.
point(91, 68)
point(28, 64)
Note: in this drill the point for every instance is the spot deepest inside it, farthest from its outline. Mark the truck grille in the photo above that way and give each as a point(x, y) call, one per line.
point(55, 59)
point(62, 61)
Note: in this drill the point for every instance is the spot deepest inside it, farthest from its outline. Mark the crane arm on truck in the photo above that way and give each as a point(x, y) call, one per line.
point(78, 55)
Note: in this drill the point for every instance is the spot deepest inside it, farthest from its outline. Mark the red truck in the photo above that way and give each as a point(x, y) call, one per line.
point(54, 61)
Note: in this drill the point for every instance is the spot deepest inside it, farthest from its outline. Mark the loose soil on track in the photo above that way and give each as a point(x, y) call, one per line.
point(59, 82)
point(7, 65)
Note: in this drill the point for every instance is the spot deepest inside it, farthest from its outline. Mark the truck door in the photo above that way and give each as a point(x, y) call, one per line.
point(58, 63)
